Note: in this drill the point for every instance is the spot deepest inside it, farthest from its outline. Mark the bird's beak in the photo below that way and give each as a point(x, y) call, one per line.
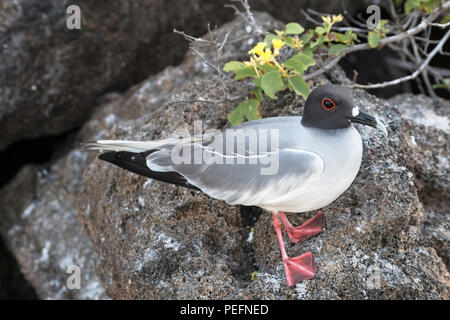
point(368, 120)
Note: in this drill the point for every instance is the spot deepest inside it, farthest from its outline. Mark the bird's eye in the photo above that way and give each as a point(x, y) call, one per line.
point(328, 104)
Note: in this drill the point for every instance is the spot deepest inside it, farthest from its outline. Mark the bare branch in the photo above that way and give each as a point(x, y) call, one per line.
point(439, 25)
point(339, 29)
point(425, 40)
point(350, 18)
point(393, 12)
point(411, 66)
point(191, 39)
point(193, 42)
point(411, 76)
point(248, 15)
point(365, 46)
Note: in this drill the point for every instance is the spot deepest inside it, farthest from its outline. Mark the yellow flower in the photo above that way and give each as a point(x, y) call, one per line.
point(267, 55)
point(326, 19)
point(258, 49)
point(279, 32)
point(298, 44)
point(251, 63)
point(277, 44)
point(337, 18)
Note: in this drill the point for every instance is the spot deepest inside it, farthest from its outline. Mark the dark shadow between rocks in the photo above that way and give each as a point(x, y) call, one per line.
point(248, 264)
point(13, 285)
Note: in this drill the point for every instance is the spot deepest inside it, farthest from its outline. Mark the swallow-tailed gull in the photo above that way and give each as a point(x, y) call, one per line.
point(281, 164)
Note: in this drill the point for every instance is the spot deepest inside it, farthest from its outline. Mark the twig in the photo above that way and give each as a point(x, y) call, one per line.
point(365, 46)
point(200, 100)
point(393, 12)
point(439, 25)
point(351, 19)
point(410, 66)
point(248, 16)
point(418, 61)
point(426, 40)
point(408, 20)
point(194, 41)
point(339, 29)
point(411, 76)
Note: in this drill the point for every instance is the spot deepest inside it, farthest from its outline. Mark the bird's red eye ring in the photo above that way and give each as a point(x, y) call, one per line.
point(328, 104)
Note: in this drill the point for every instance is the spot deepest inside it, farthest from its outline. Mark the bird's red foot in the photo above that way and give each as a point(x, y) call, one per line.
point(298, 268)
point(307, 230)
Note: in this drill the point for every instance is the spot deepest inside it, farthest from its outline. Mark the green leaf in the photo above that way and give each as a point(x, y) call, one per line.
point(446, 19)
point(290, 42)
point(308, 52)
point(268, 39)
point(268, 67)
point(320, 30)
point(429, 5)
point(300, 86)
point(338, 37)
point(257, 93)
point(233, 66)
point(336, 49)
point(350, 36)
point(381, 27)
point(307, 36)
point(317, 43)
point(346, 37)
point(257, 82)
point(252, 111)
point(271, 83)
point(294, 28)
point(373, 39)
point(305, 59)
point(296, 65)
point(247, 109)
point(243, 73)
point(442, 85)
point(411, 4)
point(237, 115)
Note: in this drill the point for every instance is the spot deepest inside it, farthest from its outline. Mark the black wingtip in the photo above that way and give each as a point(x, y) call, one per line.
point(136, 162)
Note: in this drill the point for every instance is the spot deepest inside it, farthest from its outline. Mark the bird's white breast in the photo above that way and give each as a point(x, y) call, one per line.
point(341, 152)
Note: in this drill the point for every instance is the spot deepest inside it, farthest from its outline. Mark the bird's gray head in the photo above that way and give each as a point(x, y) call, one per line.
point(332, 107)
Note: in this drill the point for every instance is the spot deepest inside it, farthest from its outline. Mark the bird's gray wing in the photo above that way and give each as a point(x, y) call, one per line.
point(244, 174)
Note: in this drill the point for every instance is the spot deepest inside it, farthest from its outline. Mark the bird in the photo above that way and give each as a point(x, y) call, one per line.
point(281, 164)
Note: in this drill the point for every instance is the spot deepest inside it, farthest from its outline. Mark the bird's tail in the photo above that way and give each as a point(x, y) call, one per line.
point(137, 162)
point(131, 146)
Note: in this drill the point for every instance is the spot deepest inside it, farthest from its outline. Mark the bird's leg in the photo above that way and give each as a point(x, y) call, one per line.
point(296, 269)
point(310, 228)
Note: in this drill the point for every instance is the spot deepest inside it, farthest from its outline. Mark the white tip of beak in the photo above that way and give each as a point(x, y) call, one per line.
point(381, 127)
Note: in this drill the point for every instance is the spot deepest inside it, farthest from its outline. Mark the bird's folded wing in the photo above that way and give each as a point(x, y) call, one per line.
point(242, 178)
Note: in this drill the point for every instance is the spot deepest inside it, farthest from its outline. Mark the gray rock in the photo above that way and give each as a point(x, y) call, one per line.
point(50, 77)
point(153, 240)
point(39, 224)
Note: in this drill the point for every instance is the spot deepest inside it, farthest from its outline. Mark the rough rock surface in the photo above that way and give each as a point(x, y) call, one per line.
point(154, 240)
point(50, 76)
point(40, 226)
